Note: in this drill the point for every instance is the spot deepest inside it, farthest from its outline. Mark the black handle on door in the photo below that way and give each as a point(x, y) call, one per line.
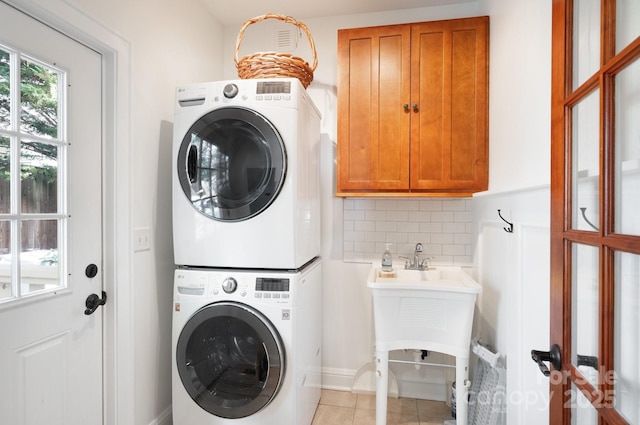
point(590, 361)
point(93, 302)
point(552, 356)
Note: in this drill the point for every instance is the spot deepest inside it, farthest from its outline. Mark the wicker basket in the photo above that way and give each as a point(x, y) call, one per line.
point(273, 64)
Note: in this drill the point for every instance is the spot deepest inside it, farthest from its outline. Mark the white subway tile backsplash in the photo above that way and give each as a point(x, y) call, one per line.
point(386, 226)
point(364, 204)
point(462, 217)
point(454, 227)
point(427, 227)
point(421, 216)
point(364, 226)
point(354, 215)
point(454, 205)
point(441, 238)
point(372, 215)
point(442, 216)
point(443, 226)
point(386, 204)
point(408, 205)
point(431, 205)
point(397, 215)
point(409, 226)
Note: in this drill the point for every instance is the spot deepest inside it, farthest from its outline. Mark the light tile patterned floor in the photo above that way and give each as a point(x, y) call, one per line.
point(345, 408)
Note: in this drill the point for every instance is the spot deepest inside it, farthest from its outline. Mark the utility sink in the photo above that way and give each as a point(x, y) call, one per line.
point(452, 279)
point(426, 310)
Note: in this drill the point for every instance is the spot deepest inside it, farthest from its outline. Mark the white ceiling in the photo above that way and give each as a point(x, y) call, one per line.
point(231, 13)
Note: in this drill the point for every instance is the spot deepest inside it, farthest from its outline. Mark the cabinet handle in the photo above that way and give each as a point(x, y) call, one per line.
point(415, 107)
point(406, 106)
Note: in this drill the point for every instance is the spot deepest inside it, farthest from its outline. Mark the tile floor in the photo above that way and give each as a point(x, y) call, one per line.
point(345, 408)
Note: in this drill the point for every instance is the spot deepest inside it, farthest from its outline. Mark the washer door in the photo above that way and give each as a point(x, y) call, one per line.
point(231, 164)
point(230, 359)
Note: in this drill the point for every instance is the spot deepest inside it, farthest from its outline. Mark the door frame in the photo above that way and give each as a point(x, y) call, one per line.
point(118, 388)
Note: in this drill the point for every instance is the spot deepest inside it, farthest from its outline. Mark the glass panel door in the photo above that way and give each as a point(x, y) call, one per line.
point(595, 225)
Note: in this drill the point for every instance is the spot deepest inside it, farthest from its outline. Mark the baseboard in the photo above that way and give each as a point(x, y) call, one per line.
point(337, 379)
point(343, 380)
point(164, 418)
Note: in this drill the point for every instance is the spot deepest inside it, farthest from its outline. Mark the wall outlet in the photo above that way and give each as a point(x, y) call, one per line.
point(141, 239)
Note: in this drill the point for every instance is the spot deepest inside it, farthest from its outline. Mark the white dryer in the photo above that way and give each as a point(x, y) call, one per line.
point(246, 188)
point(246, 346)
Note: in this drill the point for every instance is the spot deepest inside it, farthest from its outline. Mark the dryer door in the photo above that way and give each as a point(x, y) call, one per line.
point(231, 164)
point(230, 359)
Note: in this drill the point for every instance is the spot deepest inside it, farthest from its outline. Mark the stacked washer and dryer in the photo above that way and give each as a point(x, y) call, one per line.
point(246, 228)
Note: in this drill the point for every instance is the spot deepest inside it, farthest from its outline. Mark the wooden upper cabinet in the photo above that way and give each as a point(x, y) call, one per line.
point(413, 109)
point(373, 125)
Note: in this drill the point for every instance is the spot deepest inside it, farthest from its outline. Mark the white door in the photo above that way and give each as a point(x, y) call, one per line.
point(50, 226)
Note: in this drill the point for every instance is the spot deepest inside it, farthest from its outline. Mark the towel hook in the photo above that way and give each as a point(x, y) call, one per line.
point(506, 229)
point(583, 210)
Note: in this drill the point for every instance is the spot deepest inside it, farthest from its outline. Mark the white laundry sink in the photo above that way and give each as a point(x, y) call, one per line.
point(426, 310)
point(429, 309)
point(453, 279)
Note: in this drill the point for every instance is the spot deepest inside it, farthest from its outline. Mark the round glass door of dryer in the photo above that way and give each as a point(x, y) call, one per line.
point(230, 359)
point(232, 164)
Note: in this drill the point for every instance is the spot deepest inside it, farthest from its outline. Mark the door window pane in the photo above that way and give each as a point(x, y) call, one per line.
point(32, 218)
point(5, 89)
point(39, 178)
point(627, 22)
point(627, 335)
point(38, 99)
point(5, 260)
point(585, 317)
point(627, 142)
point(582, 412)
point(586, 162)
point(39, 269)
point(586, 40)
point(5, 175)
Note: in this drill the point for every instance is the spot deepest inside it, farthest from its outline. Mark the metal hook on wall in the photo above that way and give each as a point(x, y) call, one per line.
point(506, 229)
point(583, 210)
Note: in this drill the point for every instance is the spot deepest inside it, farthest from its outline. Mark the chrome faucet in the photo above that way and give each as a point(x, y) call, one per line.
point(416, 263)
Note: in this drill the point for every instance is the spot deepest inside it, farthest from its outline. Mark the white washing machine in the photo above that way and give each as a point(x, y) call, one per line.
point(246, 346)
point(246, 190)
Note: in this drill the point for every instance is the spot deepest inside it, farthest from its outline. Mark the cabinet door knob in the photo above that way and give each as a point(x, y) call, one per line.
point(406, 106)
point(415, 107)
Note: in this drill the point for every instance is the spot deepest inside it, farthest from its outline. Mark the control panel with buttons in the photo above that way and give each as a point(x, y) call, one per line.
point(230, 285)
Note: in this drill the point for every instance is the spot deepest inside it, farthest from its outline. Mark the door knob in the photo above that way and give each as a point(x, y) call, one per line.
point(91, 271)
point(415, 107)
point(93, 302)
point(554, 356)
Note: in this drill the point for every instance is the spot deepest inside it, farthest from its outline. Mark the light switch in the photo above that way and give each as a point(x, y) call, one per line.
point(142, 239)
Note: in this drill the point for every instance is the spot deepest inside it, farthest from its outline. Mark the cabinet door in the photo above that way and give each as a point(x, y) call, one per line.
point(373, 122)
point(449, 88)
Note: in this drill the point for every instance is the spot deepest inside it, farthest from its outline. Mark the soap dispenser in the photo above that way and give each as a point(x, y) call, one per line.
point(387, 260)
